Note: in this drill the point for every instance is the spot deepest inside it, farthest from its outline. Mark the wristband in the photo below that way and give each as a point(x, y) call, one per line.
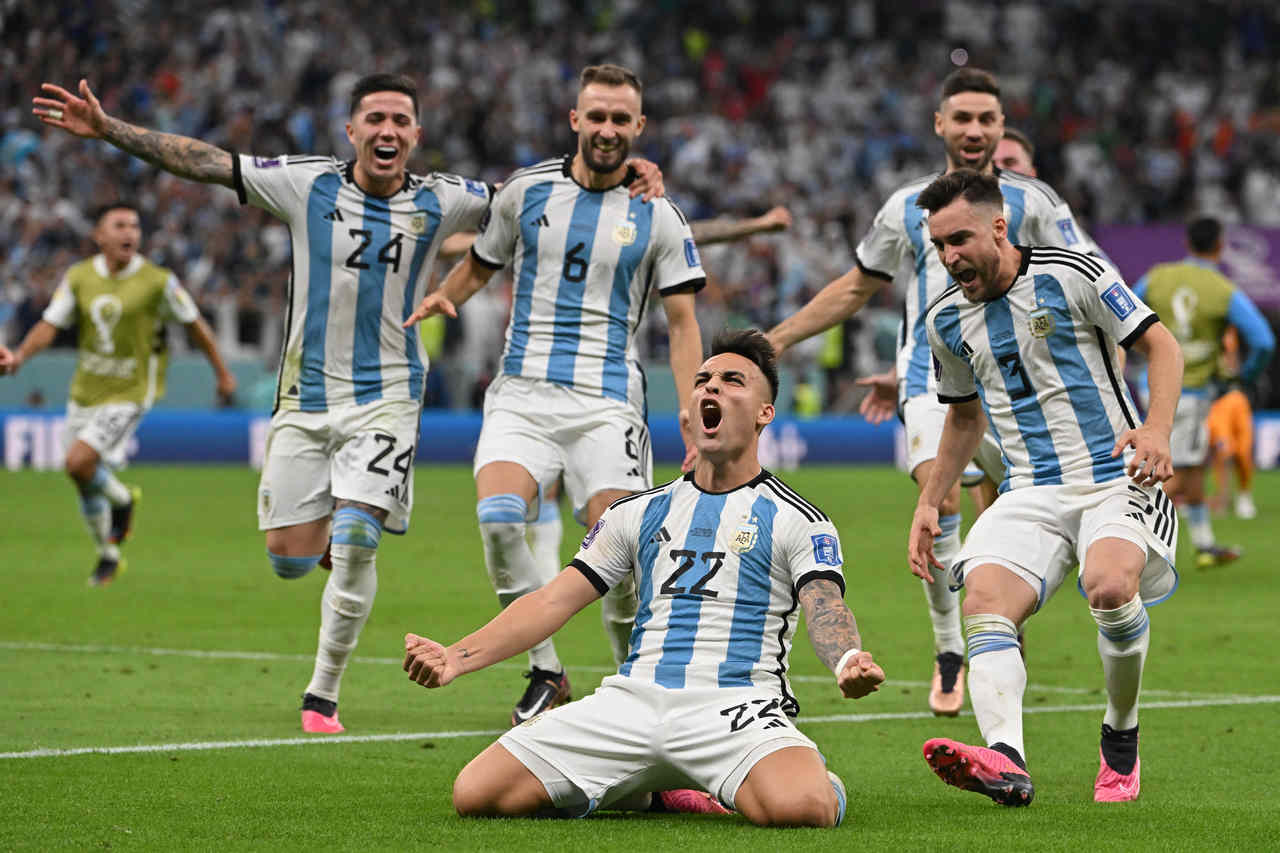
point(844, 659)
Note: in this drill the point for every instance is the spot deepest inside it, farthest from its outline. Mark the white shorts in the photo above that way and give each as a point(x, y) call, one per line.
point(923, 417)
point(359, 452)
point(1041, 532)
point(633, 735)
point(107, 429)
point(598, 444)
point(1189, 439)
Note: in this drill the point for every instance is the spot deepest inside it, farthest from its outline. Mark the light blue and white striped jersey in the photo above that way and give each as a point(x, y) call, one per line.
point(897, 249)
point(1041, 357)
point(360, 266)
point(718, 577)
point(584, 261)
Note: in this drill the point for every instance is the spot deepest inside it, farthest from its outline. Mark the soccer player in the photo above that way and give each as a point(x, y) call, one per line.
point(1202, 302)
point(119, 302)
point(570, 397)
point(1027, 336)
point(721, 557)
point(350, 385)
point(970, 123)
point(1015, 153)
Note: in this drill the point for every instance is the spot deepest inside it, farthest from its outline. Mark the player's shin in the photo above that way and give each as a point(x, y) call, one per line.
point(96, 510)
point(997, 679)
point(1123, 640)
point(944, 602)
point(110, 486)
point(348, 597)
point(513, 571)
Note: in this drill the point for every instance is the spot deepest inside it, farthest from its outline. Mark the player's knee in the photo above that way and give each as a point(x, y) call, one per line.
point(989, 632)
point(291, 568)
point(502, 518)
point(355, 527)
point(816, 807)
point(1108, 592)
point(472, 798)
point(80, 468)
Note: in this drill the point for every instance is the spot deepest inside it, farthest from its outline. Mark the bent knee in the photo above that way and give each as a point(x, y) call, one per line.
point(803, 808)
point(291, 568)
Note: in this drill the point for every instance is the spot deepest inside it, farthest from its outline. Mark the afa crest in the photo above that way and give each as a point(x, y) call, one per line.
point(418, 223)
point(1041, 322)
point(624, 234)
point(745, 539)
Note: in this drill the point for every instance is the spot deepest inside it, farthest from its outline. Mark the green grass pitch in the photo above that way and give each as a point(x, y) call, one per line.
point(199, 651)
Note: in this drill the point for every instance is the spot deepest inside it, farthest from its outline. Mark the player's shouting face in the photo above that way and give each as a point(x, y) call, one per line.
point(118, 235)
point(730, 406)
point(607, 120)
point(384, 131)
point(968, 237)
point(970, 125)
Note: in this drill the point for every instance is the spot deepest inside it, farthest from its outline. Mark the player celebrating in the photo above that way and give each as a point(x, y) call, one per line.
point(349, 390)
point(570, 397)
point(720, 558)
point(1033, 332)
point(1202, 303)
point(970, 123)
point(119, 301)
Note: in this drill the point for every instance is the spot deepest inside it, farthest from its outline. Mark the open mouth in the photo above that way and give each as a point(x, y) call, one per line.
point(711, 415)
point(384, 154)
point(965, 276)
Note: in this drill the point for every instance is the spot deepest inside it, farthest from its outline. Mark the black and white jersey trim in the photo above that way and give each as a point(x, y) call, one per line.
point(654, 490)
point(591, 575)
point(1086, 265)
point(821, 575)
point(1133, 336)
point(866, 270)
point(949, 400)
point(1105, 350)
point(786, 493)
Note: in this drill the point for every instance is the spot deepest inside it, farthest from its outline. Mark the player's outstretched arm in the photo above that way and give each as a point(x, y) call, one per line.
point(203, 337)
point(833, 632)
point(1152, 461)
point(84, 116)
point(528, 621)
point(39, 338)
point(686, 355)
point(835, 303)
point(462, 282)
point(961, 435)
point(708, 231)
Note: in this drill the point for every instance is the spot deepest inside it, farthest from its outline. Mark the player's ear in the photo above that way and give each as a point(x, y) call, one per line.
point(1000, 226)
point(351, 137)
point(640, 123)
point(937, 123)
point(573, 120)
point(765, 416)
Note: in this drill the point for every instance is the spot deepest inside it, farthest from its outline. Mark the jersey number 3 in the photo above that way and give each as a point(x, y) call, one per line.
point(1015, 376)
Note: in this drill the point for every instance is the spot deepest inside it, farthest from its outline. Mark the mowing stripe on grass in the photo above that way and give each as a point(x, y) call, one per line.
point(231, 654)
point(404, 736)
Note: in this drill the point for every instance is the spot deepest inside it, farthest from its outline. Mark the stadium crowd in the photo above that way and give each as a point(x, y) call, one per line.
point(1140, 112)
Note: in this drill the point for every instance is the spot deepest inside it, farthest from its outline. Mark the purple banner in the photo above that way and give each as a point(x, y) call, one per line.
point(1250, 256)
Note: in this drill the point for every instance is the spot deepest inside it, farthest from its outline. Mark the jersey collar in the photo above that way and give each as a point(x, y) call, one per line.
point(349, 172)
point(566, 169)
point(100, 267)
point(750, 484)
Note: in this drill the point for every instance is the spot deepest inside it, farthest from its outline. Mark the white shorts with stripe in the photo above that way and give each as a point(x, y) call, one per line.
point(1041, 532)
point(598, 443)
point(632, 735)
point(108, 429)
point(923, 417)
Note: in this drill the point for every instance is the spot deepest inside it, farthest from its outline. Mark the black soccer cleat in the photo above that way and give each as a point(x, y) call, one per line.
point(546, 690)
point(122, 517)
point(106, 571)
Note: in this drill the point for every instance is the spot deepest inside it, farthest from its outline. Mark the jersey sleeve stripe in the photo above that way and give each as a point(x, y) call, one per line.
point(808, 510)
point(591, 575)
point(821, 575)
point(485, 262)
point(944, 398)
point(692, 285)
point(1132, 337)
point(1111, 374)
point(866, 270)
point(237, 180)
point(1069, 254)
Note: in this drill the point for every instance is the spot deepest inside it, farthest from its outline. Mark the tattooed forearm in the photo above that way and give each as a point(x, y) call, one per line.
point(831, 626)
point(708, 231)
point(181, 155)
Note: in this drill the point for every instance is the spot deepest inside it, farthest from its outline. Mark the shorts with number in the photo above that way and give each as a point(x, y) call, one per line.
point(922, 418)
point(633, 735)
point(358, 452)
point(1189, 439)
point(1041, 532)
point(598, 443)
point(107, 429)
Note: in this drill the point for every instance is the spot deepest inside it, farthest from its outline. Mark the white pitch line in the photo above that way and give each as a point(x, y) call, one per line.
point(404, 736)
point(229, 654)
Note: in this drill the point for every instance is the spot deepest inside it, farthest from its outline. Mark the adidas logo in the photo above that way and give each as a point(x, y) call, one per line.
point(661, 536)
point(334, 215)
point(542, 221)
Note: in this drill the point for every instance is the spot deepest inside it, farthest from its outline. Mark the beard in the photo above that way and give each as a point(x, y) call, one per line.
point(959, 157)
point(604, 161)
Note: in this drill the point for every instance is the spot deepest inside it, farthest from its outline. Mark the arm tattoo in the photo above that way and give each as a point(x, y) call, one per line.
point(181, 155)
point(466, 653)
point(708, 231)
point(832, 629)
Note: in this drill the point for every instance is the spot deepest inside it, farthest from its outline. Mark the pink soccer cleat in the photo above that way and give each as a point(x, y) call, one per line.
point(689, 801)
point(979, 769)
point(320, 716)
point(1111, 787)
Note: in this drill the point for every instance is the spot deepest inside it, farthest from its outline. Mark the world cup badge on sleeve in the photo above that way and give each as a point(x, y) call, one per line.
point(745, 539)
point(826, 549)
point(1041, 322)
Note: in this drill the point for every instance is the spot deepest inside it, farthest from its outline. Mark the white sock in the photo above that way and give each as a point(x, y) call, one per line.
point(944, 604)
point(1196, 519)
point(618, 613)
point(1123, 640)
point(513, 571)
point(348, 597)
point(97, 517)
point(997, 679)
point(544, 538)
point(107, 483)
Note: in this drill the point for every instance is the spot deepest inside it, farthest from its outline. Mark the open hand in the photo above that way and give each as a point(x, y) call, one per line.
point(881, 402)
point(82, 116)
point(924, 527)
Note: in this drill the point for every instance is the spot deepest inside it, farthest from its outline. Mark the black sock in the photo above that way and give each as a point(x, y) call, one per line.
point(325, 707)
point(1010, 753)
point(1120, 748)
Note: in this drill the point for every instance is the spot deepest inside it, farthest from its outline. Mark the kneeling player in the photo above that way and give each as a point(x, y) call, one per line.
point(719, 557)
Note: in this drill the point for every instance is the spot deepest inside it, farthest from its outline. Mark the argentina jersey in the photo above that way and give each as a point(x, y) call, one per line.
point(1042, 359)
point(897, 249)
point(717, 576)
point(360, 265)
point(583, 261)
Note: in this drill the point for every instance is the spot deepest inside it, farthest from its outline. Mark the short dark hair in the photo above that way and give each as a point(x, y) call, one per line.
point(383, 82)
point(752, 345)
point(119, 204)
point(609, 75)
point(1023, 140)
point(1203, 234)
point(970, 80)
point(974, 187)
